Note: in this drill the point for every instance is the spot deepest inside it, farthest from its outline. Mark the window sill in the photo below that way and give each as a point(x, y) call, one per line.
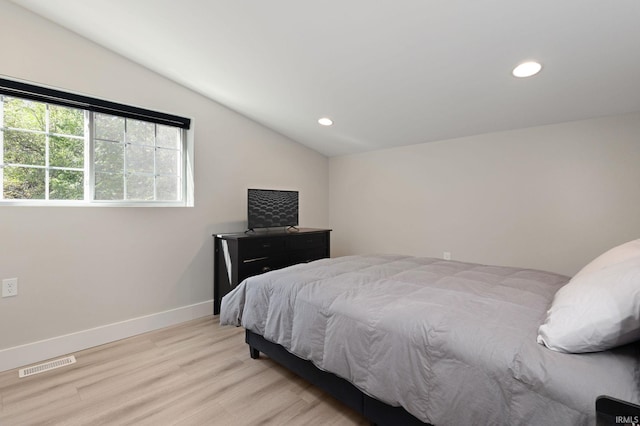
point(63, 203)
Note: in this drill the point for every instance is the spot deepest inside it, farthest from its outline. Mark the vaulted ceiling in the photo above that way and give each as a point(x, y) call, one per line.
point(388, 73)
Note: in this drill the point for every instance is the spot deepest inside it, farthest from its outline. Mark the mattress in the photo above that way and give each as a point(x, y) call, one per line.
point(451, 342)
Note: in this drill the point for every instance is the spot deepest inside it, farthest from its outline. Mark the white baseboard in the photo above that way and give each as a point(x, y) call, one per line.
point(19, 356)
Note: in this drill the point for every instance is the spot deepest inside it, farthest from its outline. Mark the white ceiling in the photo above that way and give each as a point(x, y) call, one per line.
point(389, 73)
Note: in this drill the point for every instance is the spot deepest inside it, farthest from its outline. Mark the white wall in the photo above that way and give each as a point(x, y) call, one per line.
point(84, 267)
point(549, 197)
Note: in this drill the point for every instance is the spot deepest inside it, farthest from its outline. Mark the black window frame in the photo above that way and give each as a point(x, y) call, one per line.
point(59, 97)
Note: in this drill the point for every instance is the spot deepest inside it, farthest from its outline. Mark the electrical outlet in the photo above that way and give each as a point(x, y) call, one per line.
point(446, 255)
point(9, 287)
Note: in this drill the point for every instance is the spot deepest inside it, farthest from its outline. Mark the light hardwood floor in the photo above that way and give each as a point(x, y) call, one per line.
point(196, 373)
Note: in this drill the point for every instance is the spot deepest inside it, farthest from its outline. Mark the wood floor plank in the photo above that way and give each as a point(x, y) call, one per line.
point(194, 373)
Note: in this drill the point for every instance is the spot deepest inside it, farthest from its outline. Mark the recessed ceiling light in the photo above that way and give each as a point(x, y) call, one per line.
point(325, 121)
point(527, 69)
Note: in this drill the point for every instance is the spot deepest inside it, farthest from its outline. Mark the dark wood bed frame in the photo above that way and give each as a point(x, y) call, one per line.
point(379, 413)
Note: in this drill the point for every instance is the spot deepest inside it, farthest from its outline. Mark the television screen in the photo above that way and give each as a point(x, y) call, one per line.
point(270, 208)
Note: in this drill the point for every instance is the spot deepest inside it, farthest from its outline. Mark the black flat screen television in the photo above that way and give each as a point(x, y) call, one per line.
point(270, 208)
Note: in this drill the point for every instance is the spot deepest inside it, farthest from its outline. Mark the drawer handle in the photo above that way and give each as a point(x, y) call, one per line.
point(255, 259)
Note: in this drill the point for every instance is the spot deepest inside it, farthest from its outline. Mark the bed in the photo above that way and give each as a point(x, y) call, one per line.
point(411, 340)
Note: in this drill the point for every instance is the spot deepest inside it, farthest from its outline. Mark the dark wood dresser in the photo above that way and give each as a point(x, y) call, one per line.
point(241, 255)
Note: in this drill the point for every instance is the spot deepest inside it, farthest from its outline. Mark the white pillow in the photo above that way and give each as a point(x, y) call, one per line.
point(600, 307)
point(615, 255)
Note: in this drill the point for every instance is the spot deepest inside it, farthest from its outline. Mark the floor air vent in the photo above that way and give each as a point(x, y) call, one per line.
point(51, 365)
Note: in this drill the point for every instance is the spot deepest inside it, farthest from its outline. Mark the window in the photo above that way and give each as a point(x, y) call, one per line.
point(43, 150)
point(59, 147)
point(136, 160)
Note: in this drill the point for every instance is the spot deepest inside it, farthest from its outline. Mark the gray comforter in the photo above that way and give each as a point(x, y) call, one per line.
point(453, 343)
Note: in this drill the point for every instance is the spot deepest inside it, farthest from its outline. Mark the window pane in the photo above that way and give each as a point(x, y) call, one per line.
point(109, 157)
point(24, 148)
point(109, 127)
point(139, 187)
point(140, 159)
point(23, 183)
point(167, 188)
point(66, 121)
point(43, 148)
point(66, 152)
point(168, 137)
point(24, 114)
point(109, 186)
point(167, 161)
point(66, 185)
point(140, 132)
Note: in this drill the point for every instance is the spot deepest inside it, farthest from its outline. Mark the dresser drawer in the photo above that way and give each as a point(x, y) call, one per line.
point(260, 247)
point(307, 241)
point(259, 265)
point(304, 256)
